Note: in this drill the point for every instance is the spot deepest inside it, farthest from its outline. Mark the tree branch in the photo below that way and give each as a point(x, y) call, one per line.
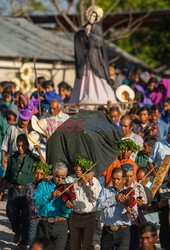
point(70, 7)
point(82, 11)
point(65, 16)
point(60, 24)
point(131, 27)
point(111, 8)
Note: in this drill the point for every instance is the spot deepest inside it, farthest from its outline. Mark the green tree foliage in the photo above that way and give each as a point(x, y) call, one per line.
point(151, 45)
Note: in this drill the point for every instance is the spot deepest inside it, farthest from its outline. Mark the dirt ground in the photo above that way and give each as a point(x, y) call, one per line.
point(6, 234)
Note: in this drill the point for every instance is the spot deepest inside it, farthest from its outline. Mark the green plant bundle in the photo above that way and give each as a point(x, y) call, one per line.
point(128, 144)
point(47, 168)
point(84, 163)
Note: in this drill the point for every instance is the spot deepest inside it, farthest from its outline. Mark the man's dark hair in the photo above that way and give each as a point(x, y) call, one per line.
point(63, 84)
point(152, 79)
point(103, 109)
point(149, 227)
point(114, 109)
point(4, 84)
point(41, 80)
point(143, 169)
point(144, 109)
point(119, 170)
point(22, 138)
point(139, 97)
point(150, 140)
point(7, 91)
point(134, 110)
point(155, 108)
point(167, 99)
point(48, 83)
point(127, 117)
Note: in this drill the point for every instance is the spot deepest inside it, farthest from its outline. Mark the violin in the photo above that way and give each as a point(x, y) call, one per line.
point(130, 200)
point(130, 197)
point(68, 193)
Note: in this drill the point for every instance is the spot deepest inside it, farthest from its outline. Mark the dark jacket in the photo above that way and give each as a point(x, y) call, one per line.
point(20, 174)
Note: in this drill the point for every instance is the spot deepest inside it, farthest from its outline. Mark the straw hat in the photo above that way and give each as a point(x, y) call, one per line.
point(124, 93)
point(39, 125)
point(97, 9)
point(33, 138)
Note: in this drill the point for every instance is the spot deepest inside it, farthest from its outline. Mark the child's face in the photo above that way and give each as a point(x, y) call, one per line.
point(63, 92)
point(151, 86)
point(49, 88)
point(146, 148)
point(166, 106)
point(8, 98)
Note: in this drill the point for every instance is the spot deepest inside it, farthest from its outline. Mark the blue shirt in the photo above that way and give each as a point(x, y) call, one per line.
point(113, 212)
point(163, 129)
point(159, 151)
point(49, 207)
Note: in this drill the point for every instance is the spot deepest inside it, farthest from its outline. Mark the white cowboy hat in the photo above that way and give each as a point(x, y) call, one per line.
point(33, 138)
point(97, 9)
point(124, 93)
point(39, 125)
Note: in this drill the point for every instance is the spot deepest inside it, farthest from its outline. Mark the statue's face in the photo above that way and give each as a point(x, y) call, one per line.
point(93, 17)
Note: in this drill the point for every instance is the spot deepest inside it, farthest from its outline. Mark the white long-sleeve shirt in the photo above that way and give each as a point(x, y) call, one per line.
point(86, 195)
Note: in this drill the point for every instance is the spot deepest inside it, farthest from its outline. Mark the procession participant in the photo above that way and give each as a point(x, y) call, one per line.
point(116, 218)
point(162, 126)
point(143, 155)
point(39, 85)
point(114, 114)
point(165, 116)
point(53, 211)
point(12, 115)
point(50, 93)
point(19, 174)
point(64, 91)
point(83, 218)
point(9, 141)
point(141, 173)
point(141, 200)
point(126, 148)
point(148, 237)
point(145, 127)
point(55, 117)
point(158, 153)
point(126, 124)
point(41, 171)
point(92, 83)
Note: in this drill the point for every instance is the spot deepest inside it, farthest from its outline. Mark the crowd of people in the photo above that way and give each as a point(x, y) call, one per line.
point(95, 213)
point(50, 207)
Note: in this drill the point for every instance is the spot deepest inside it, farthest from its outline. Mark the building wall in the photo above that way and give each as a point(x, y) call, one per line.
point(56, 71)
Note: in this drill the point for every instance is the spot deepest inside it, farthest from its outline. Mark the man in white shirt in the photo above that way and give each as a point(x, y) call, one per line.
point(55, 117)
point(83, 219)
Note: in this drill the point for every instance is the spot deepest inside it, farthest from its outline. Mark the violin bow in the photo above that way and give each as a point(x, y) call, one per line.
point(75, 181)
point(140, 181)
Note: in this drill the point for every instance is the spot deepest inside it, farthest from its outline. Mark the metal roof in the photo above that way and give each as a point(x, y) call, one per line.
point(22, 39)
